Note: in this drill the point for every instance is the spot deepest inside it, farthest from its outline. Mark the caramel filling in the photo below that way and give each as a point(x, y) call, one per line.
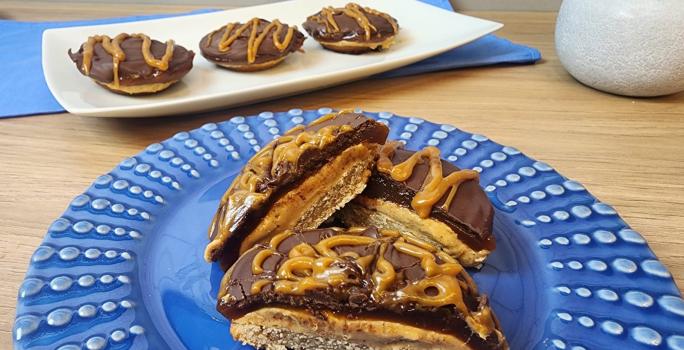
point(354, 45)
point(280, 216)
point(138, 89)
point(113, 47)
point(319, 266)
point(248, 190)
point(358, 13)
point(371, 332)
point(234, 30)
point(436, 185)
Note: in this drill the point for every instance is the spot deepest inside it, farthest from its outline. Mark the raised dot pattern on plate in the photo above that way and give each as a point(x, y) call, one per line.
point(590, 262)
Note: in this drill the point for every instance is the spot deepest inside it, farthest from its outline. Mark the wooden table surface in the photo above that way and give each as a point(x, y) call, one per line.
point(628, 152)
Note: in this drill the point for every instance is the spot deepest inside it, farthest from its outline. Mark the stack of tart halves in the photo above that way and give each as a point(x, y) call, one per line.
point(333, 237)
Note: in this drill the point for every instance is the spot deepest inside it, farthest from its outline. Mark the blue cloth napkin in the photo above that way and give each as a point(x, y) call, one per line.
point(488, 50)
point(23, 90)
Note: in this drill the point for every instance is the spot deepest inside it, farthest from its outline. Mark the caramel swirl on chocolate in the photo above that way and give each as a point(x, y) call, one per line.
point(234, 30)
point(327, 17)
point(113, 47)
point(396, 273)
point(435, 185)
point(319, 266)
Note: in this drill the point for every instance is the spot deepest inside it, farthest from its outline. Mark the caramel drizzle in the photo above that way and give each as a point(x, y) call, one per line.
point(258, 285)
point(246, 190)
point(308, 267)
point(435, 185)
point(113, 47)
point(255, 38)
point(358, 13)
point(314, 267)
point(438, 276)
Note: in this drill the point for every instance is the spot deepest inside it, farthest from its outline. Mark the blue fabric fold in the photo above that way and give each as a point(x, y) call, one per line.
point(486, 51)
point(23, 90)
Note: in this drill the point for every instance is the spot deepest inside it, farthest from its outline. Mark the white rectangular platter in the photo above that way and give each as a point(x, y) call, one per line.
point(425, 31)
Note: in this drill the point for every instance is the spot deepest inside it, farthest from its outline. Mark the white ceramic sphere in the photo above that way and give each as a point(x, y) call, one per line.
point(625, 47)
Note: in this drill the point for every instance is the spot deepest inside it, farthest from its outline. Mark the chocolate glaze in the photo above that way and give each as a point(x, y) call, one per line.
point(237, 54)
point(134, 70)
point(350, 30)
point(287, 176)
point(354, 298)
point(470, 214)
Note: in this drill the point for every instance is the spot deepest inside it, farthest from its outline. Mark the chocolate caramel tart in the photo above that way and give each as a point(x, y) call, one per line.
point(253, 46)
point(352, 29)
point(427, 198)
point(295, 182)
point(132, 63)
point(357, 288)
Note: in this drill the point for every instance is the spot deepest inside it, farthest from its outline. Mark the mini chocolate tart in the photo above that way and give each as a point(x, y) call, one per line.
point(426, 198)
point(295, 182)
point(357, 288)
point(132, 63)
point(252, 46)
point(352, 29)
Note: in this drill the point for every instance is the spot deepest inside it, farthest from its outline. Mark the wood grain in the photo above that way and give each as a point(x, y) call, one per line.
point(628, 152)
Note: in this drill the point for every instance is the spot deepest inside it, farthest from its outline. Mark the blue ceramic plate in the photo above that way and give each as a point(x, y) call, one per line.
point(123, 269)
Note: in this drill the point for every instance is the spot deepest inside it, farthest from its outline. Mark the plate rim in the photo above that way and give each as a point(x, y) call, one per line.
point(414, 121)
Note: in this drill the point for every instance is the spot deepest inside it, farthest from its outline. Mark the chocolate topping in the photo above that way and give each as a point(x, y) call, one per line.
point(468, 211)
point(279, 167)
point(361, 273)
point(134, 69)
point(351, 23)
point(256, 41)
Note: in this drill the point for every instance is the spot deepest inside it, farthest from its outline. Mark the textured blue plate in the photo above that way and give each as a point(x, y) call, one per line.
point(123, 269)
